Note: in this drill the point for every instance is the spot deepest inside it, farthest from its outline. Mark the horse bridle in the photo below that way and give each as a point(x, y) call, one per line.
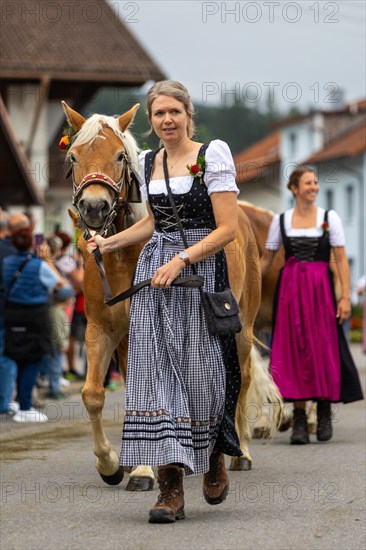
point(128, 174)
point(117, 205)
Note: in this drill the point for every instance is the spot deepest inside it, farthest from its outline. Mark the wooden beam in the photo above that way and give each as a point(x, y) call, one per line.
point(43, 96)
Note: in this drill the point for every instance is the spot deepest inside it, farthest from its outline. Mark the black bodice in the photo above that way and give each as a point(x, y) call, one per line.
point(307, 249)
point(194, 208)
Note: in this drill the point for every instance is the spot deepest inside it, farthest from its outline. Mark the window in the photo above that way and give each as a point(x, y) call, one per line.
point(293, 143)
point(350, 201)
point(329, 199)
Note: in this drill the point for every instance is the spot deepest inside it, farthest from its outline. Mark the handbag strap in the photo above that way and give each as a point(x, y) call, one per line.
point(174, 207)
point(16, 277)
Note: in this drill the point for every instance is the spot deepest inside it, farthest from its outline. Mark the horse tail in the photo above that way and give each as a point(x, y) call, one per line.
point(264, 395)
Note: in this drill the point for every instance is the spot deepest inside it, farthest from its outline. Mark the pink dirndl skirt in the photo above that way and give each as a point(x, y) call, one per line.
point(305, 357)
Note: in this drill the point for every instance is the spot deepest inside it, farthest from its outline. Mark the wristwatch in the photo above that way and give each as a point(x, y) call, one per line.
point(184, 256)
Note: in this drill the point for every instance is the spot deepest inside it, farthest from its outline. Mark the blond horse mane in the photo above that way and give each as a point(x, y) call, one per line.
point(92, 129)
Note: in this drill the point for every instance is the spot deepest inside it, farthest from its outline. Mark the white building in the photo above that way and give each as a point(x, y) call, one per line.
point(332, 141)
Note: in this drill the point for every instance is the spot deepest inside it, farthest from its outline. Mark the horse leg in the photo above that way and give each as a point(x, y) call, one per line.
point(142, 477)
point(312, 418)
point(243, 462)
point(99, 351)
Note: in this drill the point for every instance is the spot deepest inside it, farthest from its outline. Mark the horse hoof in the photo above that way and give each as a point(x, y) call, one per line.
point(114, 479)
point(238, 464)
point(244, 464)
point(261, 433)
point(140, 484)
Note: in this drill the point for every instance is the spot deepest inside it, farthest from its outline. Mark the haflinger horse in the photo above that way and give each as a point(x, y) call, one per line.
point(103, 158)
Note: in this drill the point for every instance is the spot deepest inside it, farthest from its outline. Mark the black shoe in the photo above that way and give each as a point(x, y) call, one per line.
point(300, 429)
point(324, 430)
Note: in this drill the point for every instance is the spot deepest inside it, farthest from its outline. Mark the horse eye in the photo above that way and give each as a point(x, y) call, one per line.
point(120, 157)
point(72, 158)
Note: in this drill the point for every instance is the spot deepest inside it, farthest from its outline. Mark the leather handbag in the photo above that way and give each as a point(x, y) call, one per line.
point(221, 312)
point(221, 308)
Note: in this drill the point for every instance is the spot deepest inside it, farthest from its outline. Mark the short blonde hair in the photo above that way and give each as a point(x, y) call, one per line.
point(172, 88)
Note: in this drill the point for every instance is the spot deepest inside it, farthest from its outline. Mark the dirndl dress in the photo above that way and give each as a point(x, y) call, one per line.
point(182, 383)
point(310, 358)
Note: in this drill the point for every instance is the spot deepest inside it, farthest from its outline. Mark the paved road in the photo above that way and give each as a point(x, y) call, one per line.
point(309, 497)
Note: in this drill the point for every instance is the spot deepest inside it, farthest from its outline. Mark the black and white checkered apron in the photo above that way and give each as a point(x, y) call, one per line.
point(182, 382)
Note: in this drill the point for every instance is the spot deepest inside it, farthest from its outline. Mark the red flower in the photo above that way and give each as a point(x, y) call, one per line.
point(197, 170)
point(64, 142)
point(325, 225)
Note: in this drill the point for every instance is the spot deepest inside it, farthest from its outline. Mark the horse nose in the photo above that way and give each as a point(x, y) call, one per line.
point(94, 206)
point(103, 208)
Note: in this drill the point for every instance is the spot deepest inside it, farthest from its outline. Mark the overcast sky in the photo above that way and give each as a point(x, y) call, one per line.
point(301, 53)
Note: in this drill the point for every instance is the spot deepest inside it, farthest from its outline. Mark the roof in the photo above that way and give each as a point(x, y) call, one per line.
point(72, 41)
point(350, 108)
point(17, 185)
point(258, 158)
point(350, 144)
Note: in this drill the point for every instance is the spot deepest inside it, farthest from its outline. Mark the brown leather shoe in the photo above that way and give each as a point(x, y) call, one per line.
point(216, 481)
point(170, 503)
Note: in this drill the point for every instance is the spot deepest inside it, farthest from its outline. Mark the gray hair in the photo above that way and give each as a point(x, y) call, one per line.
point(172, 88)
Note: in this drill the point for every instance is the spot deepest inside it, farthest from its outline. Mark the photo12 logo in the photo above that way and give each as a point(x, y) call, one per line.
point(67, 11)
point(254, 92)
point(270, 12)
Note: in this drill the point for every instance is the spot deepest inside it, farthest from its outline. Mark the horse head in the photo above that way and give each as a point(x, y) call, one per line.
point(103, 159)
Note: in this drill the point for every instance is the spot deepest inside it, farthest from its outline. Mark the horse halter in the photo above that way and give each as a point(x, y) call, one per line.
point(128, 175)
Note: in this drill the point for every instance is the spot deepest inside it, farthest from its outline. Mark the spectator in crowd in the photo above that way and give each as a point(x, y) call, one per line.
point(70, 265)
point(8, 367)
point(27, 281)
point(62, 298)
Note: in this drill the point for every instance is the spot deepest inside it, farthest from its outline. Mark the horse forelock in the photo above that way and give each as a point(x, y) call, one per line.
point(94, 126)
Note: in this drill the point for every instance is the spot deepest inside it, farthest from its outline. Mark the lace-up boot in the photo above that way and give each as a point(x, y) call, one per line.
point(300, 429)
point(216, 481)
point(170, 503)
point(324, 430)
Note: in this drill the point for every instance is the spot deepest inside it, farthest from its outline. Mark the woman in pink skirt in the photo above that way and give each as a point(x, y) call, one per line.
point(310, 358)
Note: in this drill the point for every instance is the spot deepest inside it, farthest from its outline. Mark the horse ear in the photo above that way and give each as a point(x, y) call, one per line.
point(73, 118)
point(73, 215)
point(125, 120)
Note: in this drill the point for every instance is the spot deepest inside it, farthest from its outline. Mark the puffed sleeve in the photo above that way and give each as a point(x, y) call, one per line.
point(336, 232)
point(143, 188)
point(220, 170)
point(274, 239)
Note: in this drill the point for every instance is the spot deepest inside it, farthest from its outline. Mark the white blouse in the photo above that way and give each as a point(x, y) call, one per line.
point(219, 174)
point(336, 232)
